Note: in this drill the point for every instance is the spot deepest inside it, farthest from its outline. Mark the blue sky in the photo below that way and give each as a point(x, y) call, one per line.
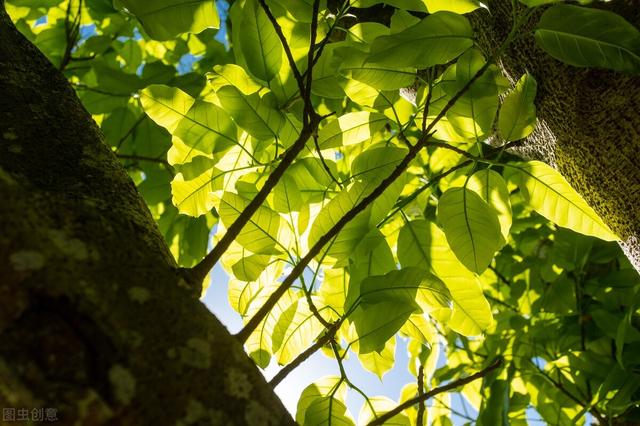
point(319, 365)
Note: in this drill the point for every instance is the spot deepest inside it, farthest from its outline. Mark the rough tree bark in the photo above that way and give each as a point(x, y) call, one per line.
point(589, 121)
point(95, 319)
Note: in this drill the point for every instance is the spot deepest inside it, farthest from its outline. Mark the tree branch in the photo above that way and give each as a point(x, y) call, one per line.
point(308, 109)
point(285, 45)
point(264, 310)
point(323, 340)
point(200, 271)
point(449, 386)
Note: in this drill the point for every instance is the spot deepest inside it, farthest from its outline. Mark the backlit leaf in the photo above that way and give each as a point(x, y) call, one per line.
point(471, 226)
point(586, 37)
point(437, 39)
point(165, 19)
point(549, 194)
point(518, 112)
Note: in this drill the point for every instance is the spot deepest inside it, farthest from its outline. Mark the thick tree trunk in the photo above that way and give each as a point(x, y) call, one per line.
point(589, 121)
point(95, 319)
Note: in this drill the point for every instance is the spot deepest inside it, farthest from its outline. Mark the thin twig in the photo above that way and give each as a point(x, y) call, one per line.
point(308, 108)
point(452, 148)
point(421, 406)
point(558, 385)
point(72, 31)
point(285, 45)
point(449, 386)
point(131, 130)
point(323, 340)
point(145, 158)
point(324, 163)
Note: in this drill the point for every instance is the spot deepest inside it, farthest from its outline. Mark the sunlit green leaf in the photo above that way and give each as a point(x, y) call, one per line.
point(260, 43)
point(548, 193)
point(381, 362)
point(492, 188)
point(471, 226)
point(327, 386)
point(457, 6)
point(165, 19)
point(296, 331)
point(261, 232)
point(251, 113)
point(586, 37)
point(518, 112)
point(194, 196)
point(423, 244)
point(350, 129)
point(437, 39)
point(382, 404)
point(167, 106)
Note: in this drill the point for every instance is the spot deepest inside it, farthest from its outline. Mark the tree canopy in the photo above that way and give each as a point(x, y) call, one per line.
point(358, 183)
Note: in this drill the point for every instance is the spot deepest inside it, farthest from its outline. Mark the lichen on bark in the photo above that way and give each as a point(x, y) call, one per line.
point(90, 301)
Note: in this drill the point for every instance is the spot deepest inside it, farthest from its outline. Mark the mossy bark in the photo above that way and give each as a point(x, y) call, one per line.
point(95, 319)
point(588, 120)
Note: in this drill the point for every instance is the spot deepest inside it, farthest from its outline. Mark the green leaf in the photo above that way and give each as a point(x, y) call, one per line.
point(381, 405)
point(586, 37)
point(166, 19)
point(385, 302)
point(410, 285)
point(251, 113)
point(457, 6)
point(492, 188)
point(167, 106)
point(260, 44)
point(416, 5)
point(193, 197)
point(372, 256)
point(297, 331)
point(325, 387)
point(327, 410)
point(471, 226)
point(250, 266)
point(343, 245)
point(549, 194)
point(354, 65)
point(472, 116)
point(518, 112)
point(376, 324)
point(232, 75)
point(206, 128)
point(381, 362)
point(286, 196)
point(350, 129)
point(437, 39)
point(259, 344)
point(421, 244)
point(495, 410)
point(259, 234)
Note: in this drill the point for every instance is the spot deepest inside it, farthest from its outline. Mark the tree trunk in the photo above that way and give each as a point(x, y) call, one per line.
point(95, 318)
point(588, 121)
